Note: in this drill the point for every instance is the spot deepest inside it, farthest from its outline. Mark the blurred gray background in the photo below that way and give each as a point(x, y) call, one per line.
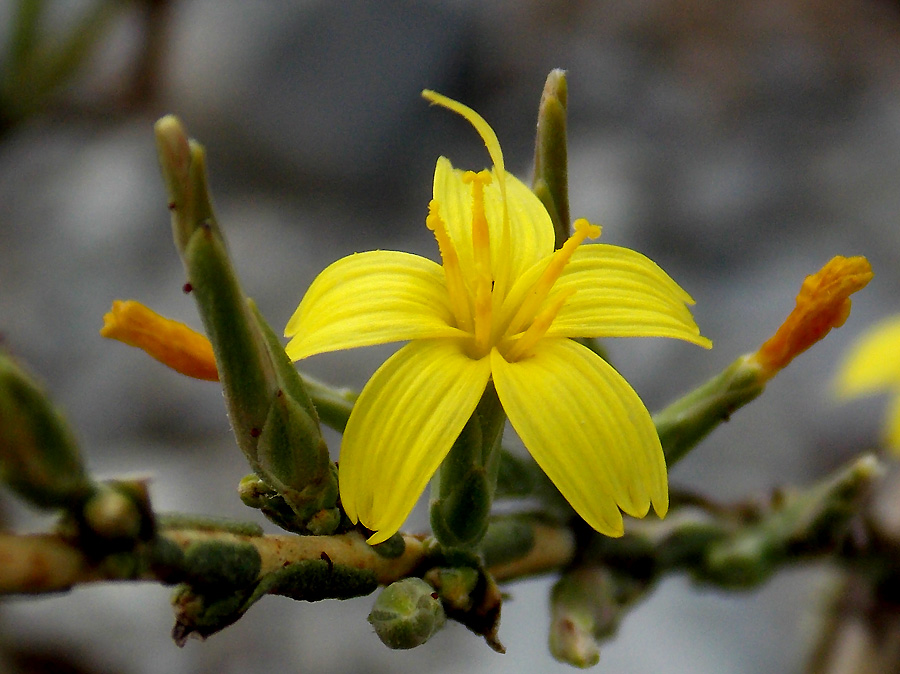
point(739, 144)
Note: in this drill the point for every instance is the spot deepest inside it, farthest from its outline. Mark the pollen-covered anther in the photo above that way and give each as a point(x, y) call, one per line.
point(540, 290)
point(538, 328)
point(456, 285)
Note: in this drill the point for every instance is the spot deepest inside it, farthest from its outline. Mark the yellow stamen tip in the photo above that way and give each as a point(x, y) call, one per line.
point(591, 231)
point(822, 304)
point(456, 287)
point(538, 328)
point(483, 177)
point(170, 342)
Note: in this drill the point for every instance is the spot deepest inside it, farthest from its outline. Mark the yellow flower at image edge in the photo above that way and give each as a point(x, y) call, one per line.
point(503, 306)
point(873, 365)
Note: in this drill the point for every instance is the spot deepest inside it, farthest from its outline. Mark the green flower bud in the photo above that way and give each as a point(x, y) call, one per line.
point(39, 458)
point(551, 174)
point(275, 423)
point(112, 515)
point(455, 585)
point(407, 613)
point(464, 485)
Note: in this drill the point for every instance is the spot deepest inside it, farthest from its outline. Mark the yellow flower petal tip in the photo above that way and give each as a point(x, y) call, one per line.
point(502, 306)
point(872, 365)
point(168, 341)
point(823, 303)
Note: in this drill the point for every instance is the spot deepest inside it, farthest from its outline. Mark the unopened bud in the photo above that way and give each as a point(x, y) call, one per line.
point(112, 515)
point(39, 457)
point(407, 613)
point(274, 421)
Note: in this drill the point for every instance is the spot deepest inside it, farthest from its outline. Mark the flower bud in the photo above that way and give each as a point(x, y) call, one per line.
point(39, 458)
point(464, 485)
point(407, 613)
point(274, 421)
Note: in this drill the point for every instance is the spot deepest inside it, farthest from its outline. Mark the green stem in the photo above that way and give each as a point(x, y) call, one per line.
point(684, 423)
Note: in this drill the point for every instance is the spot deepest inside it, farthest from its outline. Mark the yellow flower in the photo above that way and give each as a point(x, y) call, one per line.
point(873, 365)
point(503, 306)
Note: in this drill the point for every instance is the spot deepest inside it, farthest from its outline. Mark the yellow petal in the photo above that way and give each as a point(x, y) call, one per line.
point(170, 342)
point(617, 293)
point(873, 362)
point(531, 230)
point(371, 298)
point(402, 426)
point(587, 429)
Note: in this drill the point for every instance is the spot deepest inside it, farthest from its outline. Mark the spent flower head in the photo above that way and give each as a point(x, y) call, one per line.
point(503, 306)
point(168, 341)
point(823, 303)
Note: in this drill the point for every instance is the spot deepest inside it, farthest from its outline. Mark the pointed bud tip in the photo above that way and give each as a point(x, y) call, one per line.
point(173, 149)
point(556, 86)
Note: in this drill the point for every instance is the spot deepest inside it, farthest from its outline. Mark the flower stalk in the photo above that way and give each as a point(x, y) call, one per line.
point(823, 303)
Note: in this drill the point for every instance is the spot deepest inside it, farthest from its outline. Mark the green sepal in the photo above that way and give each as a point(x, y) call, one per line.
point(246, 374)
point(292, 456)
point(39, 457)
point(291, 450)
point(461, 506)
point(285, 372)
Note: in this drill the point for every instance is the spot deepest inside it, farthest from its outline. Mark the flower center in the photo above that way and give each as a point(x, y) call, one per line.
point(472, 296)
